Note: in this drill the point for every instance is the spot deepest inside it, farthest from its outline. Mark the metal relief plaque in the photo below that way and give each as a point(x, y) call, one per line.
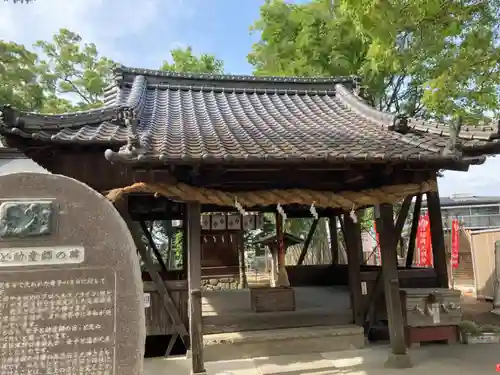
point(58, 321)
point(25, 218)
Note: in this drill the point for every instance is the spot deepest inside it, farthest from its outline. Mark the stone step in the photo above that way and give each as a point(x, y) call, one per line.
point(286, 341)
point(250, 321)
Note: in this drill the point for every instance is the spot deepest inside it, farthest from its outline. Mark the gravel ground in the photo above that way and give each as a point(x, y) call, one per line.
point(479, 311)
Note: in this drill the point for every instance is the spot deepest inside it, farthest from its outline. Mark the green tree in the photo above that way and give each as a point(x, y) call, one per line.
point(448, 49)
point(184, 61)
point(417, 58)
point(73, 70)
point(20, 77)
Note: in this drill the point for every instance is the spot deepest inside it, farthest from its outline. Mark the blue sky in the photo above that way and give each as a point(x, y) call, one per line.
point(141, 34)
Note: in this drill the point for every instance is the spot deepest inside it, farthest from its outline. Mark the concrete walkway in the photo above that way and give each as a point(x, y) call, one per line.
point(428, 360)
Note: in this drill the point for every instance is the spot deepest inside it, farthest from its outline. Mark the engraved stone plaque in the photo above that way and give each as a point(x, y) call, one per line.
point(71, 301)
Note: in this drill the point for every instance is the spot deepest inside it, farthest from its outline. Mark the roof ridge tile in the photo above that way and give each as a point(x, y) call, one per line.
point(233, 77)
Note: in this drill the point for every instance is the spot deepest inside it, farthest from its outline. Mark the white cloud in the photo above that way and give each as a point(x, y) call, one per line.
point(103, 22)
point(479, 180)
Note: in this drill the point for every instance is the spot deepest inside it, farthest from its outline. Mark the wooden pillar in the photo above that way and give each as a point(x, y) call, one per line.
point(193, 210)
point(410, 254)
point(399, 357)
point(241, 260)
point(164, 293)
point(437, 239)
point(274, 265)
point(307, 242)
point(354, 246)
point(282, 274)
point(334, 240)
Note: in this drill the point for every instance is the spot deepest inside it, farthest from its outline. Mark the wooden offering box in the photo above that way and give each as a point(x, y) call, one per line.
point(267, 299)
point(431, 314)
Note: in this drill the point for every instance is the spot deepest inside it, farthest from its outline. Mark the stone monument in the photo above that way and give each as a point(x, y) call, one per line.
point(70, 285)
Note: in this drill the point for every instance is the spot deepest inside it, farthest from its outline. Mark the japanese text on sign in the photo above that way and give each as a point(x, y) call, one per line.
point(454, 243)
point(424, 241)
point(51, 325)
point(39, 256)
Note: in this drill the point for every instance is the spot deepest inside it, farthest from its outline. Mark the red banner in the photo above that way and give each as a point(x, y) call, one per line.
point(454, 243)
point(424, 242)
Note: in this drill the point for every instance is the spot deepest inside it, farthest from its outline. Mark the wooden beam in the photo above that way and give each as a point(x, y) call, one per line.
point(400, 222)
point(153, 176)
point(148, 207)
point(193, 211)
point(371, 311)
point(353, 249)
point(152, 244)
point(402, 215)
point(342, 229)
point(388, 243)
point(165, 296)
point(334, 240)
point(413, 232)
point(437, 237)
point(307, 242)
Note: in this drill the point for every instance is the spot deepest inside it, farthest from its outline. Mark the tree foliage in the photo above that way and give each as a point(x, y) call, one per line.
point(66, 74)
point(73, 69)
point(432, 58)
point(71, 76)
point(20, 83)
point(184, 61)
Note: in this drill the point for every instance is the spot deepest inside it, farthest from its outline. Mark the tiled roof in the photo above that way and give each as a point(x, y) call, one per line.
point(193, 118)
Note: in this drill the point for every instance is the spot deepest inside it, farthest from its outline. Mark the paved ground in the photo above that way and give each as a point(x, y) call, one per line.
point(431, 360)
